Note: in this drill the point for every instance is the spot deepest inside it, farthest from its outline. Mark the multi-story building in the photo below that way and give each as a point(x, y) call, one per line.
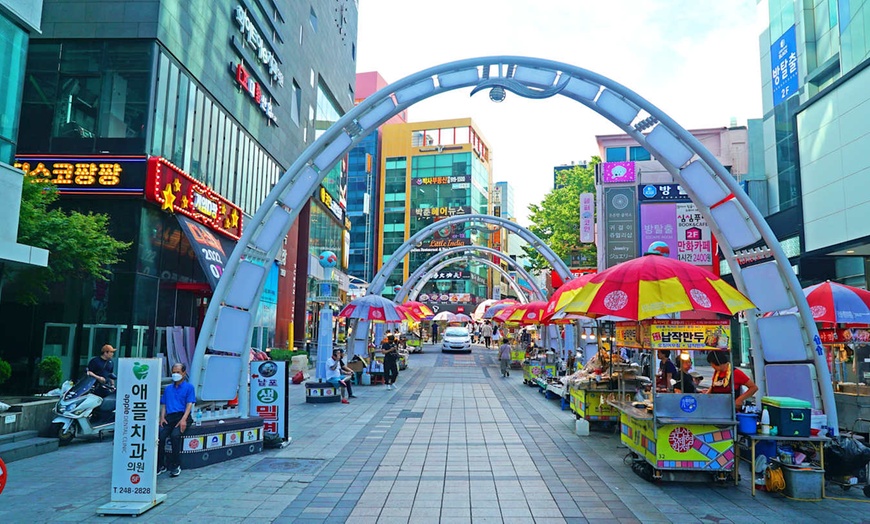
point(362, 187)
point(815, 92)
point(430, 171)
point(175, 119)
point(17, 21)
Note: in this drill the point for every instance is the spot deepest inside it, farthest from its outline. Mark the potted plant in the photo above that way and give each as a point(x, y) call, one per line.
point(5, 371)
point(50, 371)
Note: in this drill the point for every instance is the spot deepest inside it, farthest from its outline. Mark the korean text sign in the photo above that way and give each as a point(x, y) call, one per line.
point(137, 412)
point(784, 66)
point(269, 396)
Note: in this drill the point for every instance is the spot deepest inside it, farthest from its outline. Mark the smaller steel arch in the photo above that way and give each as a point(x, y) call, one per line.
point(412, 279)
point(379, 281)
point(422, 281)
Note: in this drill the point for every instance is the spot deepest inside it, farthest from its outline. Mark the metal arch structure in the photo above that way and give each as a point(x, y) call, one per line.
point(761, 270)
point(380, 278)
point(426, 266)
point(425, 278)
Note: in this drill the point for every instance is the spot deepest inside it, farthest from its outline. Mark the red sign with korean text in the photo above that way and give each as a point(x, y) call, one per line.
point(178, 192)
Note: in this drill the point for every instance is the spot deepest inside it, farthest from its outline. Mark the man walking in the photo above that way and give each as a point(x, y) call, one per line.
point(486, 331)
point(504, 357)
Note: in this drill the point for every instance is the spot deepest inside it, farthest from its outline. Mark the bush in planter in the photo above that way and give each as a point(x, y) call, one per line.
point(50, 371)
point(5, 371)
point(285, 354)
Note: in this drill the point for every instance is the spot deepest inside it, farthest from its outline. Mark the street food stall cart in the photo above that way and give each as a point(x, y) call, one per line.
point(676, 436)
point(597, 384)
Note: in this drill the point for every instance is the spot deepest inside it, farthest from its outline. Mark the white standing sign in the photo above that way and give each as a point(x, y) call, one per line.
point(269, 396)
point(134, 454)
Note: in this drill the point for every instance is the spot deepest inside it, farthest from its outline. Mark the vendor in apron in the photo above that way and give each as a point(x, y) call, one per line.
point(726, 378)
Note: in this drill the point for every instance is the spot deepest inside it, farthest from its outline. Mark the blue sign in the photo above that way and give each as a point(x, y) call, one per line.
point(688, 404)
point(663, 193)
point(784, 67)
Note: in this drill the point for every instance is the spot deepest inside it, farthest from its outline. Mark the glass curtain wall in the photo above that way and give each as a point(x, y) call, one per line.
point(13, 52)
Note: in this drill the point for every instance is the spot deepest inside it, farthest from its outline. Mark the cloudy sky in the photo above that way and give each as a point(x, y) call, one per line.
point(696, 60)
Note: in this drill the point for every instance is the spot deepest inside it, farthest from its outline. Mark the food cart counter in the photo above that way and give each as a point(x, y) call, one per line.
point(680, 435)
point(592, 401)
point(537, 369)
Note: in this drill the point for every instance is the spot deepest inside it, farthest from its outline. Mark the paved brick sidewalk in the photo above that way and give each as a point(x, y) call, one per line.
point(455, 443)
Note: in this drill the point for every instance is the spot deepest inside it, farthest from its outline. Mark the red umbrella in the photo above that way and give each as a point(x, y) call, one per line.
point(528, 314)
point(371, 307)
point(565, 294)
point(418, 309)
point(656, 285)
point(504, 313)
point(833, 303)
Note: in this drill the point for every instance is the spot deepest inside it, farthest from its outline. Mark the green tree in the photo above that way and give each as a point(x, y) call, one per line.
point(79, 244)
point(556, 220)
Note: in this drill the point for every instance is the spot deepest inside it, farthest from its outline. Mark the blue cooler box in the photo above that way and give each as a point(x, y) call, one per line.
point(791, 416)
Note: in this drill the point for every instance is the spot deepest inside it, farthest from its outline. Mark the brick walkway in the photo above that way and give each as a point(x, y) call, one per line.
point(455, 443)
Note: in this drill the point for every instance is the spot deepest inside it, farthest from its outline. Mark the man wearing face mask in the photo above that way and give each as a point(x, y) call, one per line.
point(175, 404)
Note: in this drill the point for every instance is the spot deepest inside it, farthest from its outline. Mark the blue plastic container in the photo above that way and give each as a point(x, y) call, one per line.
point(747, 423)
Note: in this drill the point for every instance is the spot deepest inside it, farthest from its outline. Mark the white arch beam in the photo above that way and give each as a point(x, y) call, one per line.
point(427, 276)
point(425, 267)
point(787, 343)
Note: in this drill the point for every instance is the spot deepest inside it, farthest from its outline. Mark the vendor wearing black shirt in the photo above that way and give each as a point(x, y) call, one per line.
point(667, 371)
point(685, 381)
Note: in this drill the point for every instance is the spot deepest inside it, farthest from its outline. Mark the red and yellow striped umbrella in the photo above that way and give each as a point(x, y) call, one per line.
point(565, 294)
point(418, 309)
point(655, 285)
point(528, 314)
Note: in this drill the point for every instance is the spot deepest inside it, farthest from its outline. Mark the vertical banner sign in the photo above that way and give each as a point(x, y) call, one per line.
point(587, 218)
point(784, 67)
point(658, 229)
point(620, 224)
point(695, 242)
point(269, 396)
point(134, 462)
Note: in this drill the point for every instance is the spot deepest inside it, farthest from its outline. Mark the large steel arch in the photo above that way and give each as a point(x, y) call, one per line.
point(427, 266)
point(380, 279)
point(782, 345)
point(424, 279)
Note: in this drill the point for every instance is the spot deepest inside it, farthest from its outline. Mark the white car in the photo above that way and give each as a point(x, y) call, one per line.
point(456, 339)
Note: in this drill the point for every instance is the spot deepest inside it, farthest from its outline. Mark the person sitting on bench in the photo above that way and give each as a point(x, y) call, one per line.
point(334, 375)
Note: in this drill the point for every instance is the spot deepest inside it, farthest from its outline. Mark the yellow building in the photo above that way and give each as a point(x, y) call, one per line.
point(429, 171)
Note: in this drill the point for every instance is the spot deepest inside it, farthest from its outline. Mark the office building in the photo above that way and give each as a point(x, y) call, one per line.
point(176, 119)
point(430, 171)
point(815, 92)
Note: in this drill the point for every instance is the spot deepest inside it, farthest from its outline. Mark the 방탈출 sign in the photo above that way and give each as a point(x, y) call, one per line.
point(134, 453)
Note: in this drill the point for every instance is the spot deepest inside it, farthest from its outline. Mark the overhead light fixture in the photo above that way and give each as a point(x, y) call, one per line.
point(850, 251)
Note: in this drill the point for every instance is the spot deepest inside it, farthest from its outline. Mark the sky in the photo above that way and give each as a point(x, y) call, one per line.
point(698, 61)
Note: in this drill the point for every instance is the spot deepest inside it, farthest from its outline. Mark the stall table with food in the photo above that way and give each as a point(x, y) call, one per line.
point(592, 388)
point(676, 436)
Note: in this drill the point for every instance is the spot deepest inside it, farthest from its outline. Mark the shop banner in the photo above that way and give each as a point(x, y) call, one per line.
point(620, 224)
point(423, 213)
point(662, 193)
point(618, 173)
point(134, 452)
point(587, 218)
point(784, 66)
point(674, 334)
point(627, 334)
point(82, 175)
point(463, 298)
point(211, 250)
point(844, 336)
point(658, 229)
point(269, 396)
point(694, 239)
point(688, 334)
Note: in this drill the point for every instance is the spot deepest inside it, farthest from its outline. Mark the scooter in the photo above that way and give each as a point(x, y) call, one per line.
point(81, 411)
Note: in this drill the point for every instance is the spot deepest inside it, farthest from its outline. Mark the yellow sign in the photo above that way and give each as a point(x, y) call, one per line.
point(626, 334)
point(691, 334)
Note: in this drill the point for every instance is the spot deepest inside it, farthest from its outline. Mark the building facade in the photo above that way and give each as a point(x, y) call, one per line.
point(430, 171)
point(362, 187)
point(815, 92)
point(175, 119)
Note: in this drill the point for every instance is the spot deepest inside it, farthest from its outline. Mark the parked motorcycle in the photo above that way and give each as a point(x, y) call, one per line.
point(81, 411)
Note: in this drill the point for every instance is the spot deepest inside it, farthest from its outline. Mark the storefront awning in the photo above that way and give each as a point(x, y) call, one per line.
point(212, 249)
